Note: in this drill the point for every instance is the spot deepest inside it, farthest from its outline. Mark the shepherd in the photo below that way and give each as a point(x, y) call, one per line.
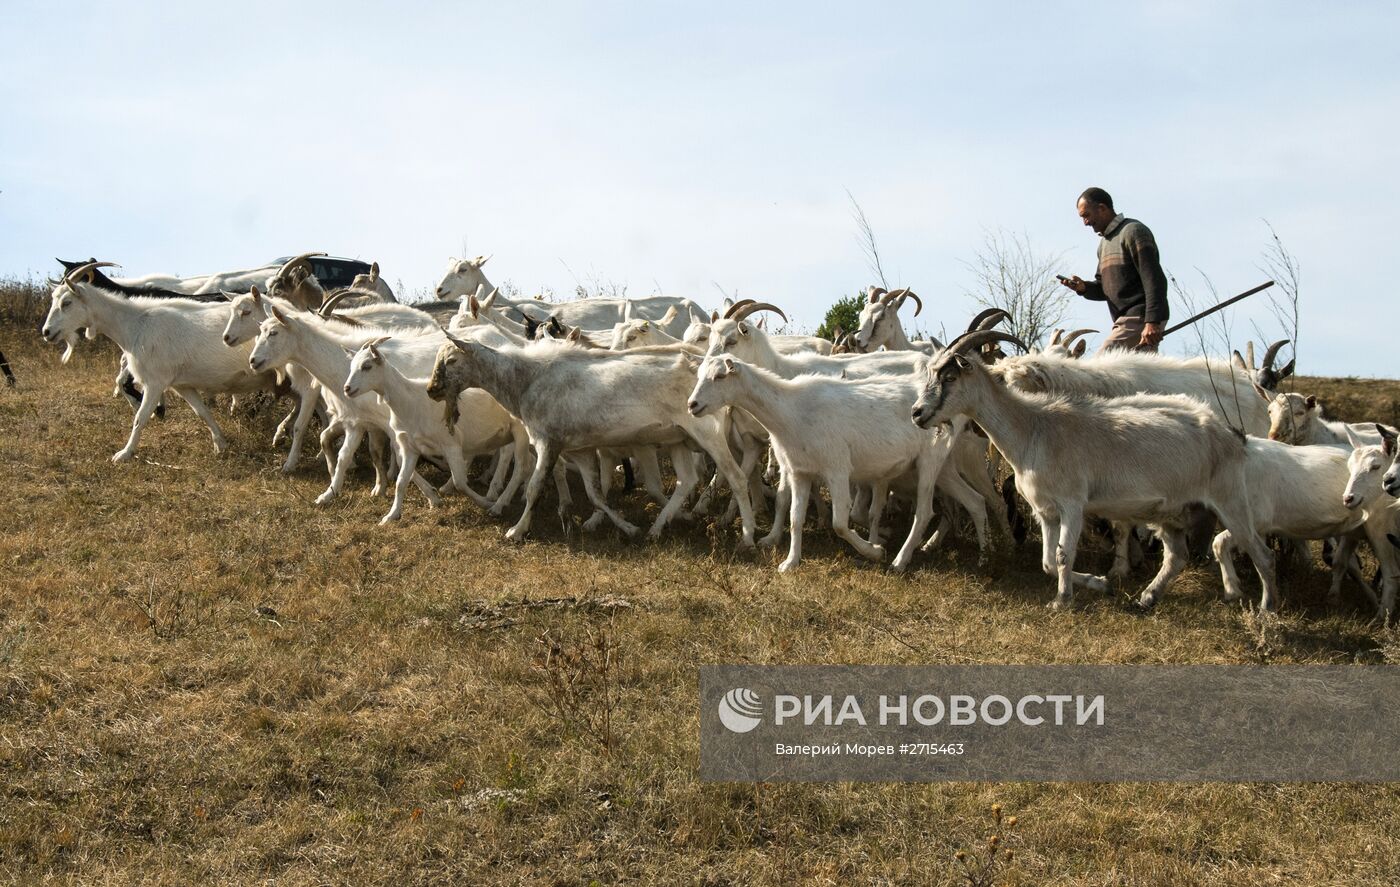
point(1130, 277)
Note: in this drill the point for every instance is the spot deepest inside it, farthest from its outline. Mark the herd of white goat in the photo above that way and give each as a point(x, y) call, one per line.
point(888, 426)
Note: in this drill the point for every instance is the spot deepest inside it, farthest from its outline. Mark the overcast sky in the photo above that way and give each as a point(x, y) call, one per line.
point(680, 146)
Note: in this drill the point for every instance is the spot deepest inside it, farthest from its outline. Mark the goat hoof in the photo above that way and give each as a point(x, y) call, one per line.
point(767, 542)
point(1230, 597)
point(1146, 603)
point(877, 554)
point(1059, 605)
point(325, 497)
point(388, 519)
point(123, 456)
point(787, 566)
point(1096, 583)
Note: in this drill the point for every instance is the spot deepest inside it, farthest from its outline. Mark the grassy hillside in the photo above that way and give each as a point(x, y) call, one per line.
point(204, 677)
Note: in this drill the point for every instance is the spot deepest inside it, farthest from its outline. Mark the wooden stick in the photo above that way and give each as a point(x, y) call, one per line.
point(1225, 304)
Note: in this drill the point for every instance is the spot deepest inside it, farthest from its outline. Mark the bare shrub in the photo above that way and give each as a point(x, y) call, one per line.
point(1011, 274)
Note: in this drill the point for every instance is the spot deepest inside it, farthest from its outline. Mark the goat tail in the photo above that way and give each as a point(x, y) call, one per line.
point(5, 368)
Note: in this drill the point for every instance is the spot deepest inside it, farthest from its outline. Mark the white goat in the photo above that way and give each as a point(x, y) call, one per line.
point(736, 336)
point(463, 277)
point(207, 284)
point(168, 343)
point(879, 323)
point(1227, 391)
point(1297, 419)
point(1295, 492)
point(860, 437)
point(576, 401)
point(319, 344)
point(481, 427)
point(1141, 459)
point(1364, 494)
point(372, 281)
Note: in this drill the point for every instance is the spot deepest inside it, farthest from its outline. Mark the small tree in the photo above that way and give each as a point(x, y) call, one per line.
point(1010, 274)
point(844, 314)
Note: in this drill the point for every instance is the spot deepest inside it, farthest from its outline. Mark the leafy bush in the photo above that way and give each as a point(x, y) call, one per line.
point(845, 314)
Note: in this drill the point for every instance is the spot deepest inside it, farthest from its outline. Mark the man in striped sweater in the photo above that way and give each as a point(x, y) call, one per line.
point(1130, 277)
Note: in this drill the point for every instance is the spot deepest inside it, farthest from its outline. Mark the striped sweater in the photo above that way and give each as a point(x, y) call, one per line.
point(1130, 277)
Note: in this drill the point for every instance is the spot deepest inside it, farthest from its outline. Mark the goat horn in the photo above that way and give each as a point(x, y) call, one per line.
point(1249, 354)
point(753, 306)
point(332, 300)
point(1069, 340)
point(1269, 355)
point(989, 319)
point(460, 343)
point(874, 292)
point(1055, 336)
point(980, 321)
point(734, 307)
point(918, 303)
point(978, 338)
point(86, 268)
point(296, 262)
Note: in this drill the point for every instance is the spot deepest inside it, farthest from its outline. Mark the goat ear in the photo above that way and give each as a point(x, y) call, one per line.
point(646, 324)
point(728, 365)
point(1262, 391)
point(1311, 401)
point(689, 362)
point(744, 328)
point(1387, 440)
point(226, 295)
point(714, 317)
point(1080, 348)
point(670, 315)
point(1356, 442)
point(490, 297)
point(1237, 361)
point(460, 343)
point(277, 313)
point(575, 334)
point(373, 270)
point(350, 352)
point(1287, 370)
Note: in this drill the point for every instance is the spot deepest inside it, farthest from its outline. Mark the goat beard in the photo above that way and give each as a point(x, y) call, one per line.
point(450, 412)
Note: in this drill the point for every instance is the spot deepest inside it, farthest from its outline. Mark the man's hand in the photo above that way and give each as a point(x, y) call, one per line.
point(1075, 283)
point(1151, 335)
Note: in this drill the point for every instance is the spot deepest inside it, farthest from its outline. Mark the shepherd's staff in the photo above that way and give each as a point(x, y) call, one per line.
point(1225, 304)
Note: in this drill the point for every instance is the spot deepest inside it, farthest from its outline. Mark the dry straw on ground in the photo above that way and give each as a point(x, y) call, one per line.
point(206, 679)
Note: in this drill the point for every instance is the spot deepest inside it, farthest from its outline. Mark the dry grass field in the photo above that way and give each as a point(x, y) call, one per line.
point(204, 678)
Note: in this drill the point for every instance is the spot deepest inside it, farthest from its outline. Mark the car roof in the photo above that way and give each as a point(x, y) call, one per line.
point(285, 259)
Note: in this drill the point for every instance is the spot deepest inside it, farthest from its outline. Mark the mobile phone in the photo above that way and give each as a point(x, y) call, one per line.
point(1061, 278)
